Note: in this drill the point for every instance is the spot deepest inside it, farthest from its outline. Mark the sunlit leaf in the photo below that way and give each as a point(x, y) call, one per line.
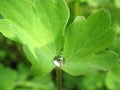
point(6, 30)
point(37, 24)
point(85, 42)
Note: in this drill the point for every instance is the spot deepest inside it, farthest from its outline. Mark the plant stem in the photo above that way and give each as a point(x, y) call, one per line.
point(59, 78)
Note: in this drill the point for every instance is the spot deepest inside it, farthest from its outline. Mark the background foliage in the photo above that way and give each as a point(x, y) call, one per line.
point(15, 73)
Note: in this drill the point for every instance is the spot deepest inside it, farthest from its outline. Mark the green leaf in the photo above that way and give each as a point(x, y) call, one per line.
point(116, 45)
point(112, 79)
point(54, 15)
point(24, 22)
point(37, 24)
point(93, 81)
point(43, 83)
point(6, 30)
point(27, 81)
point(85, 43)
point(43, 63)
point(117, 28)
point(7, 78)
point(92, 62)
point(97, 3)
point(117, 3)
point(42, 21)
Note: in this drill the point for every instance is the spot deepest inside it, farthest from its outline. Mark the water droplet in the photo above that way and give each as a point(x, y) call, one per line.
point(58, 61)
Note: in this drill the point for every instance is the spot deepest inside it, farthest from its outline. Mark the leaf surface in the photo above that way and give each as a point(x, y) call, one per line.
point(85, 43)
point(6, 31)
point(54, 15)
point(38, 25)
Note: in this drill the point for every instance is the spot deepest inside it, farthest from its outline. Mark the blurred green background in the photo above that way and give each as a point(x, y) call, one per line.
point(15, 72)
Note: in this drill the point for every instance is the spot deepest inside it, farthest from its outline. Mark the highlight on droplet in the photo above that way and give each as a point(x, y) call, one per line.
point(58, 61)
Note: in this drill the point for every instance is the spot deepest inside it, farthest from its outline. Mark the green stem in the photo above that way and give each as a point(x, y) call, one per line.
point(59, 78)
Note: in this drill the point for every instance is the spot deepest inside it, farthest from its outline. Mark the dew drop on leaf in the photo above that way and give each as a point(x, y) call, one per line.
point(58, 61)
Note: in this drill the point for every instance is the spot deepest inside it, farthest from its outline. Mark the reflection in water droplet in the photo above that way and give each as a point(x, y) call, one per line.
point(58, 61)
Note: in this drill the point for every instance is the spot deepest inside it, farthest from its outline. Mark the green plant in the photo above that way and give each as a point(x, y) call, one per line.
point(23, 79)
point(9, 76)
point(39, 25)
